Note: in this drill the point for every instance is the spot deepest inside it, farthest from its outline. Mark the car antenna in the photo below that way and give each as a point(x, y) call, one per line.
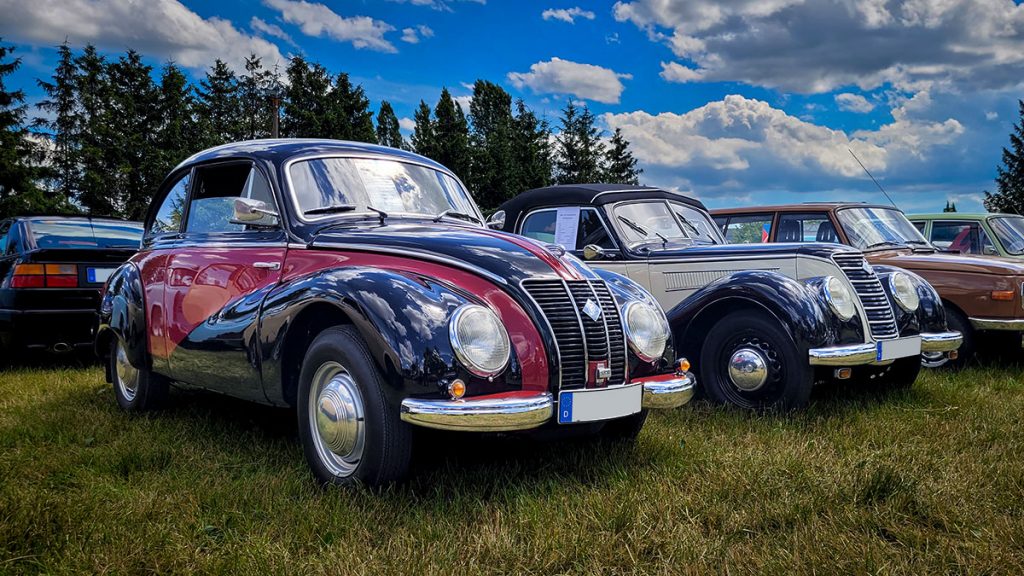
point(872, 178)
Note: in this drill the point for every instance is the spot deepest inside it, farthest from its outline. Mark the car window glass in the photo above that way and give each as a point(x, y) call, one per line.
point(1010, 232)
point(81, 233)
point(962, 237)
point(697, 223)
point(212, 205)
point(753, 229)
point(168, 217)
point(810, 227)
point(583, 227)
point(5, 228)
point(919, 226)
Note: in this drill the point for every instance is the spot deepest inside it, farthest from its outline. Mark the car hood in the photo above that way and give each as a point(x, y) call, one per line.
point(939, 261)
point(499, 255)
point(675, 251)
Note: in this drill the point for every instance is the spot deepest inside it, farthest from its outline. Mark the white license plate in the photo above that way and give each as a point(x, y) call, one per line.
point(599, 403)
point(899, 348)
point(95, 275)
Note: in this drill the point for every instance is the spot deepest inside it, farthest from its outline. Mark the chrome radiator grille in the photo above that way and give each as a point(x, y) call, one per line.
point(581, 340)
point(872, 295)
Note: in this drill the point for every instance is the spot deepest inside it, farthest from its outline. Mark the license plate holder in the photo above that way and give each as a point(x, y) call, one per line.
point(98, 275)
point(898, 348)
point(598, 404)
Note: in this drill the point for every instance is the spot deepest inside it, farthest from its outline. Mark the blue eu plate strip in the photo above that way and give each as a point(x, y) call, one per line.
point(565, 408)
point(91, 274)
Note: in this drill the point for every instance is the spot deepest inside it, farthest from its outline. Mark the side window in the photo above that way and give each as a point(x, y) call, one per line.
point(211, 207)
point(172, 209)
point(572, 227)
point(919, 226)
point(5, 230)
point(963, 237)
point(810, 227)
point(754, 229)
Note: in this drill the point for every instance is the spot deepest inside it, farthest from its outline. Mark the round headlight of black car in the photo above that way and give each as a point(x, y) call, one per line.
point(904, 290)
point(479, 339)
point(839, 298)
point(646, 329)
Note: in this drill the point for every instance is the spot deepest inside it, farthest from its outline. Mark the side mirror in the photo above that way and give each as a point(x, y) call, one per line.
point(989, 251)
point(595, 252)
point(249, 211)
point(497, 220)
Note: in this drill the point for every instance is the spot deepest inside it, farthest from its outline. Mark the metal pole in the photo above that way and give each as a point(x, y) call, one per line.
point(277, 113)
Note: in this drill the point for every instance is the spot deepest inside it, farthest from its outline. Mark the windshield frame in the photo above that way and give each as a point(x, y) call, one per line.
point(998, 236)
point(296, 206)
point(902, 244)
point(671, 206)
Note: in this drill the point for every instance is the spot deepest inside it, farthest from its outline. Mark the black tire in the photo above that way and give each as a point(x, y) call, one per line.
point(789, 376)
point(965, 355)
point(136, 389)
point(624, 429)
point(363, 441)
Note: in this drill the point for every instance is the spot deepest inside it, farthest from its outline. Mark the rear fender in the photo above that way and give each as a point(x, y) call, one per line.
point(123, 315)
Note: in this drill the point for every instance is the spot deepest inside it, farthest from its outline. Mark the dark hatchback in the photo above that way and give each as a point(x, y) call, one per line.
point(51, 274)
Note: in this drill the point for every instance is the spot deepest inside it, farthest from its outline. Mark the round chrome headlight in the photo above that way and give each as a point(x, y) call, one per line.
point(904, 290)
point(479, 339)
point(839, 298)
point(646, 330)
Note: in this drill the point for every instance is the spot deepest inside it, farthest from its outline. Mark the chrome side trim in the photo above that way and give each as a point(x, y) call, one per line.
point(941, 341)
point(668, 393)
point(849, 355)
point(1016, 324)
point(483, 414)
point(409, 253)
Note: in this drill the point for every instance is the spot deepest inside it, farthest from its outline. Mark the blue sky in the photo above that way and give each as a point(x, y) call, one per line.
point(736, 101)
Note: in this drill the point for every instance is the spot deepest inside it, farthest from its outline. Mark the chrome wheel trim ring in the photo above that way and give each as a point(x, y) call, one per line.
point(127, 375)
point(933, 359)
point(748, 369)
point(336, 416)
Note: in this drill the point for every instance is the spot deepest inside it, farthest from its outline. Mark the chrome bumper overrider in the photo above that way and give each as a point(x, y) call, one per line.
point(998, 324)
point(941, 341)
point(525, 410)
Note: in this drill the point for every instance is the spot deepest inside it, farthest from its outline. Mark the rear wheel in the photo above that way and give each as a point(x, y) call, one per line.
point(957, 321)
point(750, 361)
point(136, 389)
point(349, 431)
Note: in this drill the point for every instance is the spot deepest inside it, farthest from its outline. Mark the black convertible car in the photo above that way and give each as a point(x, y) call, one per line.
point(51, 274)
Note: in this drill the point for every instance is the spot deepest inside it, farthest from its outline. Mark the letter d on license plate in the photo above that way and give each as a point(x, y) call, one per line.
point(598, 404)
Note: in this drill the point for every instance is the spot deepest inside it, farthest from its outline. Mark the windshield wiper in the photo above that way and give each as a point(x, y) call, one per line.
point(380, 213)
point(886, 243)
point(457, 214)
point(640, 229)
point(689, 224)
point(332, 209)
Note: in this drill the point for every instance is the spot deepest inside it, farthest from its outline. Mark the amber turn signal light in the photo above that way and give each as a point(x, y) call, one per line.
point(843, 373)
point(953, 354)
point(457, 389)
point(1006, 295)
point(683, 365)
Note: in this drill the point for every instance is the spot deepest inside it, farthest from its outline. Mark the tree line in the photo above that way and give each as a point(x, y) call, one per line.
point(110, 128)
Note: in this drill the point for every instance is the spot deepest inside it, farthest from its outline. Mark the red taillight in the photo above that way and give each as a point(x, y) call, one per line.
point(48, 276)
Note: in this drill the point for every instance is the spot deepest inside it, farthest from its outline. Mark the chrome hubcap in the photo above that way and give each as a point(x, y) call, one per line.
point(127, 375)
point(748, 369)
point(933, 359)
point(336, 412)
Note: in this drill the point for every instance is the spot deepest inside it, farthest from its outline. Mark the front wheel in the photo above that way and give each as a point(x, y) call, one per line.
point(750, 361)
point(902, 374)
point(349, 431)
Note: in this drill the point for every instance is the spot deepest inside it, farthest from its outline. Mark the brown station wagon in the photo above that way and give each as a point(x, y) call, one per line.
point(983, 297)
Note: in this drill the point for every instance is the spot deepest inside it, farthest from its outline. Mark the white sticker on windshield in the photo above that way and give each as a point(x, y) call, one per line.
point(567, 224)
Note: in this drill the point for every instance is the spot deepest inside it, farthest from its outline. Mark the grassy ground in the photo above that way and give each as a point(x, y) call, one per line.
point(928, 480)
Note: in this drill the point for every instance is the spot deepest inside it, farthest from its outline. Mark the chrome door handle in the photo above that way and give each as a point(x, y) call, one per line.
point(267, 265)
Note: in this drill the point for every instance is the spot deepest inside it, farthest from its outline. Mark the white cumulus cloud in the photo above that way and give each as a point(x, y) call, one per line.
point(558, 76)
point(853, 103)
point(315, 19)
point(413, 35)
point(567, 14)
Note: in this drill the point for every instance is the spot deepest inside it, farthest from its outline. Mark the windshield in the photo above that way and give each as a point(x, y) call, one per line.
point(662, 221)
point(875, 227)
point(355, 185)
point(1010, 231)
point(85, 234)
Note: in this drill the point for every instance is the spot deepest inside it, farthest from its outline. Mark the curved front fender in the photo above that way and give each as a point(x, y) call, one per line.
point(123, 315)
point(930, 315)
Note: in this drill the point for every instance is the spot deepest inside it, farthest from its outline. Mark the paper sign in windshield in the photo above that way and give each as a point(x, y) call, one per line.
point(567, 223)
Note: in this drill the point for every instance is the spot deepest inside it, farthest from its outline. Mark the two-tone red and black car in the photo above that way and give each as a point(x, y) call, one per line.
point(52, 269)
point(358, 285)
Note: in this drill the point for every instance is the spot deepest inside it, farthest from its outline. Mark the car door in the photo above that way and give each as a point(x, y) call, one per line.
point(216, 279)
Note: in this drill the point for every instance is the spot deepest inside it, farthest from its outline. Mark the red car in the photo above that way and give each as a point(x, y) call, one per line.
point(358, 285)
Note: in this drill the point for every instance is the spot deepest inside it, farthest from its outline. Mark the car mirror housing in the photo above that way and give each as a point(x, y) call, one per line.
point(497, 220)
point(595, 252)
point(252, 211)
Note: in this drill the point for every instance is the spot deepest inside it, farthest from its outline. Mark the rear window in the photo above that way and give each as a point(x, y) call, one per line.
point(85, 234)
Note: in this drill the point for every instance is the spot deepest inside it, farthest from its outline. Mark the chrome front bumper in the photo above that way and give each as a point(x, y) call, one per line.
point(998, 324)
point(867, 353)
point(524, 410)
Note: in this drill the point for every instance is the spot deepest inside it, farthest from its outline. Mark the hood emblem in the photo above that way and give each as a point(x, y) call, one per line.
point(867, 267)
point(592, 310)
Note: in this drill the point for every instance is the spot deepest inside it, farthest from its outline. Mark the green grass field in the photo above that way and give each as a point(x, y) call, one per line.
point(928, 480)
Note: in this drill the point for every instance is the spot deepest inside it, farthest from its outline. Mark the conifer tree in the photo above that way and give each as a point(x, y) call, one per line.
point(133, 114)
point(20, 157)
point(349, 116)
point(1009, 195)
point(451, 136)
point(423, 132)
point(93, 86)
point(492, 176)
point(63, 124)
point(619, 163)
point(255, 109)
point(389, 131)
point(532, 149)
point(177, 127)
point(219, 105)
point(580, 152)
point(306, 101)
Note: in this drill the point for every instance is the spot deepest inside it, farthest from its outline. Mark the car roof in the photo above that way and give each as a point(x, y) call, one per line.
point(280, 149)
point(589, 194)
point(803, 207)
point(75, 218)
point(956, 215)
